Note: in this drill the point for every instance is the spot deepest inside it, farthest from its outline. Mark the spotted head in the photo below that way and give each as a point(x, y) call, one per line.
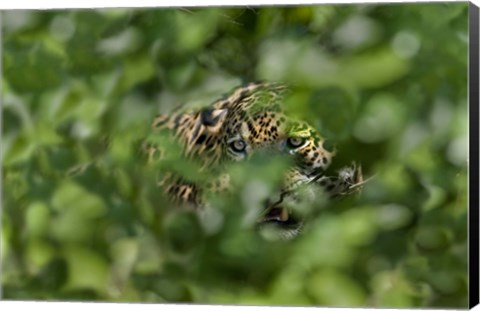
point(312, 152)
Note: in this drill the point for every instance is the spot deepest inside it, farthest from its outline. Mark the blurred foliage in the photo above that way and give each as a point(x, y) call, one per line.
point(83, 220)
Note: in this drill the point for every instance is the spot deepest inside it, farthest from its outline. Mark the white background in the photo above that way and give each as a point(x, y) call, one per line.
point(47, 4)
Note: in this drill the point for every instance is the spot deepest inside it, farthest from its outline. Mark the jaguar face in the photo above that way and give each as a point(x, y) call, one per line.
point(237, 126)
point(312, 153)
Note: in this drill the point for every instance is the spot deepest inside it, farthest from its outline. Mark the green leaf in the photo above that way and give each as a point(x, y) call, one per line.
point(86, 269)
point(37, 218)
point(38, 254)
point(73, 199)
point(332, 288)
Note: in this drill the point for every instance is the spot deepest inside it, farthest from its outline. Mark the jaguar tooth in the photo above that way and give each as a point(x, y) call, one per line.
point(284, 215)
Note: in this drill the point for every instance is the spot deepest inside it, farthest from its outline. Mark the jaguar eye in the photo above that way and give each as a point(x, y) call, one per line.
point(238, 145)
point(295, 142)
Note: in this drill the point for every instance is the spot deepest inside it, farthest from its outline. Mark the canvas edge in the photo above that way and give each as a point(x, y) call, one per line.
point(474, 155)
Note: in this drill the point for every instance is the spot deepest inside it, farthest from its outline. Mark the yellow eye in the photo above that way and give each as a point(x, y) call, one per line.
point(238, 145)
point(295, 142)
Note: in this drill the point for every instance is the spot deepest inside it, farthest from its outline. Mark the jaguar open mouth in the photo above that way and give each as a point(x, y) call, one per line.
point(282, 220)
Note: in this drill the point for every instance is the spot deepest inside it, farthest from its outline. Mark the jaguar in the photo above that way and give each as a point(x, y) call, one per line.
point(231, 129)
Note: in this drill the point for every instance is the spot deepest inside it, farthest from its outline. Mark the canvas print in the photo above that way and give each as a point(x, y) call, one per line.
point(287, 156)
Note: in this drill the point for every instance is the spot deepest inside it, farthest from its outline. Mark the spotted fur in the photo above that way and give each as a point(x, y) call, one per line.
point(232, 128)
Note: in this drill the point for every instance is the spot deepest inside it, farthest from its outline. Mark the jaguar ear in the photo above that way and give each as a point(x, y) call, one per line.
point(213, 118)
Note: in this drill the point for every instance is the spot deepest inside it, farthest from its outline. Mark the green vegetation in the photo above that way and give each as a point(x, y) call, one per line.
point(82, 218)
